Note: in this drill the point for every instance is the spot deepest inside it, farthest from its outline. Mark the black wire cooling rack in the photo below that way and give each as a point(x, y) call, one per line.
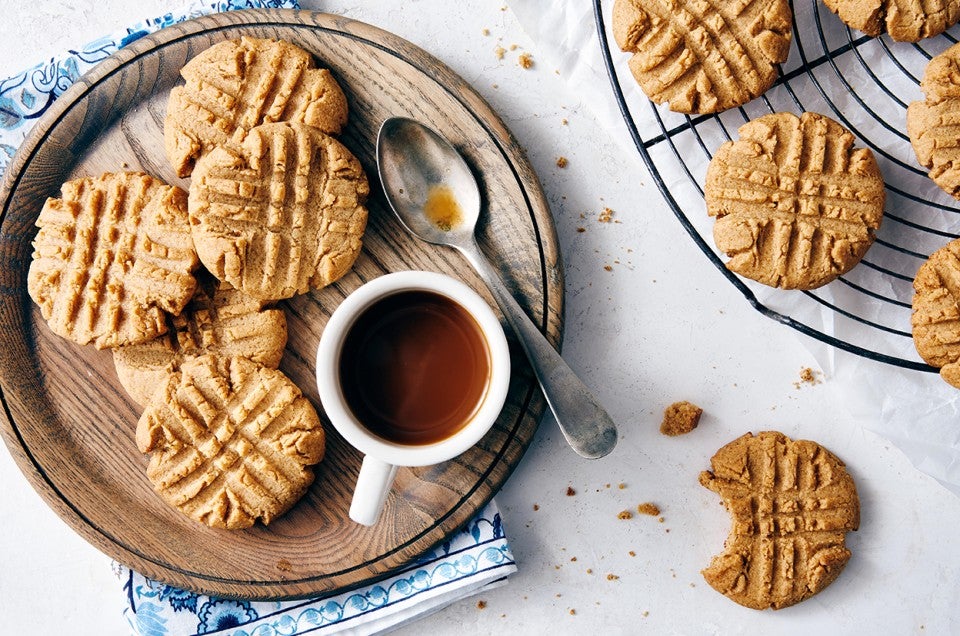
point(864, 83)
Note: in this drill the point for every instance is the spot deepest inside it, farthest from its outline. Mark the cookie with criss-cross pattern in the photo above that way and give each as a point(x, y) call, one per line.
point(113, 254)
point(703, 57)
point(932, 122)
point(936, 311)
point(238, 84)
point(230, 441)
point(791, 503)
point(797, 205)
point(904, 20)
point(283, 215)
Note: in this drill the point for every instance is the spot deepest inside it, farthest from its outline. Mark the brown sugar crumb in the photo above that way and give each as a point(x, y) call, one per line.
point(612, 577)
point(608, 268)
point(807, 376)
point(525, 60)
point(499, 51)
point(481, 605)
point(625, 514)
point(680, 418)
point(648, 509)
point(536, 507)
point(561, 162)
point(570, 491)
point(606, 216)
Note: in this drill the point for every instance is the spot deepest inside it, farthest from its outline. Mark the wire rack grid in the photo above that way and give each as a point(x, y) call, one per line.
point(864, 83)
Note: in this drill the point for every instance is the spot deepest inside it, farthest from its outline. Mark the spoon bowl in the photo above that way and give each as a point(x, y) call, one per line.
point(435, 195)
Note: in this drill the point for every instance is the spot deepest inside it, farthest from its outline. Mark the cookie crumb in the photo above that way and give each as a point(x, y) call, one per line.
point(680, 418)
point(648, 508)
point(632, 553)
point(514, 47)
point(485, 31)
point(481, 605)
point(284, 566)
point(660, 519)
point(573, 558)
point(570, 491)
point(564, 122)
point(807, 376)
point(645, 613)
point(589, 570)
point(561, 162)
point(581, 229)
point(573, 612)
point(621, 485)
point(608, 268)
point(525, 60)
point(625, 514)
point(606, 216)
point(499, 51)
point(536, 507)
point(612, 577)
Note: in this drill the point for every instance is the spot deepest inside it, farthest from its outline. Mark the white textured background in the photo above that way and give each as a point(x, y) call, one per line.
point(663, 325)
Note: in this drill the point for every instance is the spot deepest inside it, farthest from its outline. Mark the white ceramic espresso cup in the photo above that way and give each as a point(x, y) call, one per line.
point(382, 456)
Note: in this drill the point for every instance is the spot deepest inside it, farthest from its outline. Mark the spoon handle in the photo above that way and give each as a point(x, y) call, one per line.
point(584, 423)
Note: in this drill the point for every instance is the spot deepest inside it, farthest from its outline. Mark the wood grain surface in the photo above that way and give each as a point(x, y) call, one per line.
point(68, 422)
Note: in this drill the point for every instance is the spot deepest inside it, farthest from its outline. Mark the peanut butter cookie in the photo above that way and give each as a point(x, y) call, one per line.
point(796, 204)
point(238, 84)
point(112, 254)
point(283, 215)
point(231, 441)
point(703, 57)
point(792, 503)
point(904, 20)
point(218, 320)
point(936, 311)
point(931, 123)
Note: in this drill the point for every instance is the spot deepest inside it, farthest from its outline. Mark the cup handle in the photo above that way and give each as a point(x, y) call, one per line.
point(373, 486)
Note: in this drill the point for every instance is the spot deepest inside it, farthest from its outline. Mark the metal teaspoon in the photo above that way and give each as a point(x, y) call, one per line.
point(412, 160)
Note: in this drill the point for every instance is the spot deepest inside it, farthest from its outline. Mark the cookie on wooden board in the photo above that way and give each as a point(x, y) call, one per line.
point(283, 215)
point(218, 320)
point(936, 311)
point(238, 84)
point(904, 20)
point(791, 504)
point(113, 254)
point(796, 204)
point(703, 57)
point(231, 441)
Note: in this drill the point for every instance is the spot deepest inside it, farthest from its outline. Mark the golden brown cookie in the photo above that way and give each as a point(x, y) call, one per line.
point(231, 441)
point(936, 311)
point(218, 320)
point(796, 204)
point(703, 57)
point(931, 123)
point(904, 20)
point(283, 216)
point(680, 418)
point(112, 254)
point(791, 504)
point(238, 84)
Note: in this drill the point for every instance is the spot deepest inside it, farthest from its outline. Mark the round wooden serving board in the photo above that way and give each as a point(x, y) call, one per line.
point(68, 422)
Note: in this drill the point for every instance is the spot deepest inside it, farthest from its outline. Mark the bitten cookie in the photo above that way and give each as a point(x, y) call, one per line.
point(931, 123)
point(936, 311)
point(904, 20)
point(231, 441)
point(112, 254)
point(703, 57)
point(796, 204)
point(791, 504)
point(238, 84)
point(281, 217)
point(218, 320)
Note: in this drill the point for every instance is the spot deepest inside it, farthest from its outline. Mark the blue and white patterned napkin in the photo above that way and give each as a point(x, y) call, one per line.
point(476, 559)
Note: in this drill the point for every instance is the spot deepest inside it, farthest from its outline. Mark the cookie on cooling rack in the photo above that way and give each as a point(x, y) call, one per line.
point(236, 85)
point(936, 311)
point(702, 57)
point(796, 204)
point(791, 505)
point(112, 254)
point(231, 441)
point(218, 320)
point(931, 123)
point(904, 20)
point(283, 214)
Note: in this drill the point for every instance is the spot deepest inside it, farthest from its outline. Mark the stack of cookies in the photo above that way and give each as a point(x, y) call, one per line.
point(275, 208)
